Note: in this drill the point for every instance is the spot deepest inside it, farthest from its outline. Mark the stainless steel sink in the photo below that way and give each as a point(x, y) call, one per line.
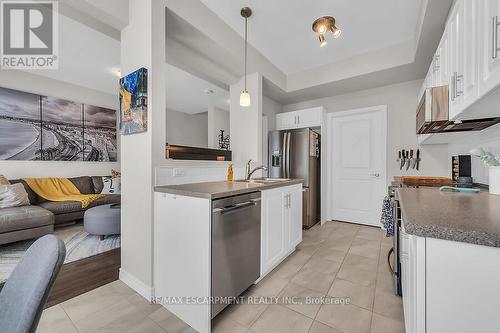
point(262, 180)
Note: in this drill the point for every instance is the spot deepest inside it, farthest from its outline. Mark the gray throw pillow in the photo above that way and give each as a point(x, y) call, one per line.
point(13, 196)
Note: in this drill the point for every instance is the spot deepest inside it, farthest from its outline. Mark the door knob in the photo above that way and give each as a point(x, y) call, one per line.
point(375, 175)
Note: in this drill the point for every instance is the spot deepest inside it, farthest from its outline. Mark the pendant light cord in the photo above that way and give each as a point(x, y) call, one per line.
point(246, 34)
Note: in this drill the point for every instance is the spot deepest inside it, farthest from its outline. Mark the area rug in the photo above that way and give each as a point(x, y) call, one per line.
point(79, 245)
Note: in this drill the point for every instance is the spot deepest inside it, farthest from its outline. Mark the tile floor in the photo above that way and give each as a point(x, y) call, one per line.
point(336, 259)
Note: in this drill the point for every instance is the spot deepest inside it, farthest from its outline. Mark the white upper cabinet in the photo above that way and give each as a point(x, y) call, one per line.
point(468, 60)
point(463, 56)
point(286, 120)
point(300, 119)
point(440, 62)
point(489, 72)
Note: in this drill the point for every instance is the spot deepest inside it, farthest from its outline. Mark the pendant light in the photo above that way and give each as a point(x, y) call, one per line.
point(245, 96)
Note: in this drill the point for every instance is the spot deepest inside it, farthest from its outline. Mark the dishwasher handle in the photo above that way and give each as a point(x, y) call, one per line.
point(236, 207)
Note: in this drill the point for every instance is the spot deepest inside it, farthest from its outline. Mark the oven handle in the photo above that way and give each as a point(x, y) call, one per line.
point(389, 260)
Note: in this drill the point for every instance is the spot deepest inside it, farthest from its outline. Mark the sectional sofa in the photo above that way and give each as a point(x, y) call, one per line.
point(41, 216)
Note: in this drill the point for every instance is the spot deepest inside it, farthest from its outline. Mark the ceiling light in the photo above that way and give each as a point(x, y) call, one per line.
point(324, 24)
point(245, 96)
point(322, 40)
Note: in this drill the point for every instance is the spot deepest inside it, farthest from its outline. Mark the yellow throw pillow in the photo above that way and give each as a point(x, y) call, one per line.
point(3, 180)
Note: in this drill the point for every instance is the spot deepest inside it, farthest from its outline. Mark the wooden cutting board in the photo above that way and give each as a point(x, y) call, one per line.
point(424, 181)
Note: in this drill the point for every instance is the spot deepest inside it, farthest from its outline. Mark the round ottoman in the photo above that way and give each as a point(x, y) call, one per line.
point(102, 220)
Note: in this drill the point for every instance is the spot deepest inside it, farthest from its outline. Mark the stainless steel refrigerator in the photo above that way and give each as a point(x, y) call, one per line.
point(296, 154)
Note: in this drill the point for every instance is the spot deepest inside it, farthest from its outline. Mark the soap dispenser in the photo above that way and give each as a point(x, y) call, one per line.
point(230, 172)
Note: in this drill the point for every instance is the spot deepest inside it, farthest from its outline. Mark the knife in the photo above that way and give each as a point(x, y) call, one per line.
point(418, 159)
point(408, 160)
point(402, 162)
point(399, 157)
point(413, 161)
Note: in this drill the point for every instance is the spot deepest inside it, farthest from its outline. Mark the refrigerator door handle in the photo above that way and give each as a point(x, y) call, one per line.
point(288, 154)
point(283, 164)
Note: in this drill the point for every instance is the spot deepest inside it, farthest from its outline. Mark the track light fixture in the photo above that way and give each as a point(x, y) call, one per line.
point(323, 25)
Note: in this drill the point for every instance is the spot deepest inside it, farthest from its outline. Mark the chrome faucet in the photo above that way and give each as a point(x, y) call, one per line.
point(249, 173)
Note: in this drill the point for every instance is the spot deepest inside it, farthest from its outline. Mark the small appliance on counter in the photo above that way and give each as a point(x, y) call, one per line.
point(461, 170)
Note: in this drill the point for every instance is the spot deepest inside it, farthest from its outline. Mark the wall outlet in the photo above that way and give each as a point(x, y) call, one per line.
point(178, 172)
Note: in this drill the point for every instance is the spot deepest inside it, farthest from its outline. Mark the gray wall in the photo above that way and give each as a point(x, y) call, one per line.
point(401, 101)
point(218, 120)
point(187, 130)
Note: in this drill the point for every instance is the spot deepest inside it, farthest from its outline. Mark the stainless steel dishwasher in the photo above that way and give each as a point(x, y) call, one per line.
point(235, 246)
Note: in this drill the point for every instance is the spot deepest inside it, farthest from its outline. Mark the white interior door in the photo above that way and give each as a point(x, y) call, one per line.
point(357, 164)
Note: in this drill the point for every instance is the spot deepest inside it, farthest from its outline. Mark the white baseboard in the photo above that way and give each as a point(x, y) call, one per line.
point(142, 289)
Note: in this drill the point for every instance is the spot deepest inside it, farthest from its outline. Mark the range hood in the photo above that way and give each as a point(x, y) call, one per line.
point(433, 115)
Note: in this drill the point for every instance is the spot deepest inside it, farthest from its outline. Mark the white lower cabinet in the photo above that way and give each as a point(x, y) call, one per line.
point(281, 225)
point(449, 286)
point(412, 258)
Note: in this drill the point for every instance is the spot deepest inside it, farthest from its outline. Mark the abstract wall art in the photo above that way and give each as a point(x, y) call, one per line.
point(34, 127)
point(134, 102)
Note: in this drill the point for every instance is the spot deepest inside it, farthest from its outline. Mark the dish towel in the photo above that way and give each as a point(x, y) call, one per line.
point(60, 189)
point(387, 218)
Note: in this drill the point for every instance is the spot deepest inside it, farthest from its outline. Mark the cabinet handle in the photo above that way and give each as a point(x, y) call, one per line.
point(298, 119)
point(453, 84)
point(459, 78)
point(436, 63)
point(494, 34)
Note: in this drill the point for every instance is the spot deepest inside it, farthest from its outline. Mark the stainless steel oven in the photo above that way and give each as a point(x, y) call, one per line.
point(393, 259)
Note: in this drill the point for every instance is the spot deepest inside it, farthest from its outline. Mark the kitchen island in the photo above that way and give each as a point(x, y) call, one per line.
point(212, 236)
point(450, 260)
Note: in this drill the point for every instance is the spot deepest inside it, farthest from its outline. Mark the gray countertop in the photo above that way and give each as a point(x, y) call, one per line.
point(462, 217)
point(221, 189)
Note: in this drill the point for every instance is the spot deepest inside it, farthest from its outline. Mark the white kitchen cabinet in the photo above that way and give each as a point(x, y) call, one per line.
point(489, 55)
point(287, 120)
point(295, 217)
point(413, 271)
point(311, 117)
point(440, 62)
point(462, 287)
point(272, 228)
point(281, 225)
point(449, 286)
point(463, 40)
point(467, 59)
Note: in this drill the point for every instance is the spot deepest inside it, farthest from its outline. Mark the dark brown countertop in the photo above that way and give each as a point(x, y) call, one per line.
point(221, 189)
point(463, 217)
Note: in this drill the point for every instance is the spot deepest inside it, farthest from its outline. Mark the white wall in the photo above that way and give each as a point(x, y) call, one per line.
point(37, 84)
point(218, 120)
point(185, 129)
point(401, 101)
point(488, 139)
point(246, 122)
point(269, 110)
point(142, 45)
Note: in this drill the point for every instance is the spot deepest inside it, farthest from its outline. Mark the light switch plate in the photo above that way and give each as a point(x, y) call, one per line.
point(178, 172)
